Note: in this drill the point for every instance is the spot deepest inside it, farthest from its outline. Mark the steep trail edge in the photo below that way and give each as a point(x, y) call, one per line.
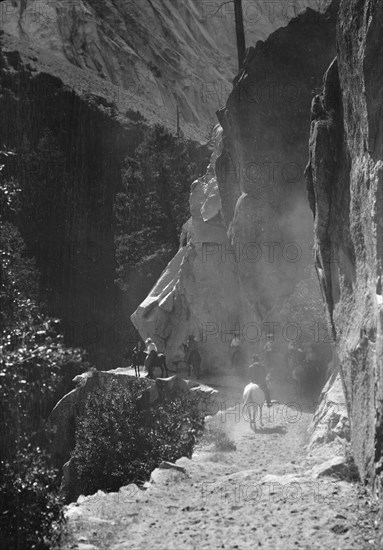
point(261, 495)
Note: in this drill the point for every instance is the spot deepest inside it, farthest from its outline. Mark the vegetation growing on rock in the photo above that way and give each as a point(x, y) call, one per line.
point(117, 444)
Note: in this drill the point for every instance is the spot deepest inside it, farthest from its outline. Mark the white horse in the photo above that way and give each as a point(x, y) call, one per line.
point(253, 401)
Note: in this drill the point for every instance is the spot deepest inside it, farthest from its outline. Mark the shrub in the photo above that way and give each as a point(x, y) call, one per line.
point(33, 375)
point(35, 371)
point(117, 444)
point(30, 506)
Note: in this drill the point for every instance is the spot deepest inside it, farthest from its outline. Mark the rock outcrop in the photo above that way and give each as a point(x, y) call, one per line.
point(336, 466)
point(65, 414)
point(330, 422)
point(345, 184)
point(247, 243)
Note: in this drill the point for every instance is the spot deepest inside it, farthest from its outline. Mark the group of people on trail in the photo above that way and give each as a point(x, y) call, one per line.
point(237, 359)
point(299, 369)
point(150, 357)
point(308, 366)
point(146, 354)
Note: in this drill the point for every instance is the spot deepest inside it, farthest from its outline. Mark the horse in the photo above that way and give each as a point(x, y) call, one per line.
point(193, 359)
point(158, 360)
point(138, 359)
point(253, 400)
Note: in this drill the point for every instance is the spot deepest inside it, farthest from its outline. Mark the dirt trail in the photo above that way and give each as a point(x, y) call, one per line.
point(225, 501)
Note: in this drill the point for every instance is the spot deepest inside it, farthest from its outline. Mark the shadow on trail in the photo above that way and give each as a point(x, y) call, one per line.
point(281, 430)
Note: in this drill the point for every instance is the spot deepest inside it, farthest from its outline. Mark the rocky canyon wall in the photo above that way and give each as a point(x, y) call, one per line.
point(95, 75)
point(248, 241)
point(147, 56)
point(70, 232)
point(345, 183)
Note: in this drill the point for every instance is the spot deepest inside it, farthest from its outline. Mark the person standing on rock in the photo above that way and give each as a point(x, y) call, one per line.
point(258, 374)
point(151, 350)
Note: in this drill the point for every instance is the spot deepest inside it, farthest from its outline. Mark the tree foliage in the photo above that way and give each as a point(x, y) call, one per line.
point(35, 371)
point(154, 202)
point(19, 279)
point(31, 507)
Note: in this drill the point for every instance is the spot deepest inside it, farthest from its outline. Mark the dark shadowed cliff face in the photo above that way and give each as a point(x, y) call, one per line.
point(70, 225)
point(345, 184)
point(261, 169)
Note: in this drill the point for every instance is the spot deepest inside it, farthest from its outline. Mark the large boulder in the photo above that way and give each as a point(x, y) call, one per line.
point(337, 467)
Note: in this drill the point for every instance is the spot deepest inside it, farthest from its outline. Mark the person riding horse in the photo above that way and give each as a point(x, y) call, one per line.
point(258, 374)
point(151, 350)
point(154, 359)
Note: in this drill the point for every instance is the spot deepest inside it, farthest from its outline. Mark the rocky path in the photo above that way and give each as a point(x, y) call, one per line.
point(260, 495)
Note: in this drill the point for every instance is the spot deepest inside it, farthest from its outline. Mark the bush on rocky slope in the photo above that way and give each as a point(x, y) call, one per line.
point(116, 444)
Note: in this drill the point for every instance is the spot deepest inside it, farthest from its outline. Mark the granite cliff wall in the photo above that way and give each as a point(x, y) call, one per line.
point(147, 56)
point(345, 184)
point(250, 233)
